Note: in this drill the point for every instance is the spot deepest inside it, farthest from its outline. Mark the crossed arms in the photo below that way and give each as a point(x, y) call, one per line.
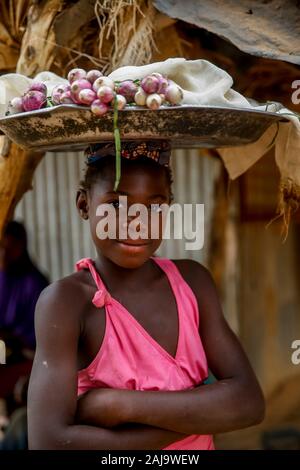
point(124, 419)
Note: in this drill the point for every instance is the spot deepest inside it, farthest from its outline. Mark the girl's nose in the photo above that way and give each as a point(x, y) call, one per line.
point(135, 224)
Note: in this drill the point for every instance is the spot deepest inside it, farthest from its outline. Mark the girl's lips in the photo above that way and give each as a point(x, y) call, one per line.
point(133, 246)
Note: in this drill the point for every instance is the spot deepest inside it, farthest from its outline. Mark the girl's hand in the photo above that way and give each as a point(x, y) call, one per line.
point(104, 407)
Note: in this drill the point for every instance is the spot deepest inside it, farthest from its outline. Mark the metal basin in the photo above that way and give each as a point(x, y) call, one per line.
point(68, 127)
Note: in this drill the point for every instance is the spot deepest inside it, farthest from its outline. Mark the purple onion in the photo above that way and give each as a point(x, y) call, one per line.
point(127, 89)
point(16, 105)
point(75, 97)
point(121, 102)
point(163, 85)
point(174, 94)
point(105, 94)
point(92, 75)
point(38, 86)
point(66, 98)
point(140, 97)
point(103, 81)
point(57, 91)
point(153, 101)
point(76, 74)
point(87, 96)
point(79, 85)
point(98, 108)
point(33, 100)
point(150, 84)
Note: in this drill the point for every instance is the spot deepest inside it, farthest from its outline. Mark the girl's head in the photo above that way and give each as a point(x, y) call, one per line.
point(145, 180)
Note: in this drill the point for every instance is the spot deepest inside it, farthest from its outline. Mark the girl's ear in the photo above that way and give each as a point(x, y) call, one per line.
point(82, 203)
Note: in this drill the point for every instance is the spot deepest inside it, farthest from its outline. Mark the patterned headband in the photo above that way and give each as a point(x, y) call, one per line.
point(157, 150)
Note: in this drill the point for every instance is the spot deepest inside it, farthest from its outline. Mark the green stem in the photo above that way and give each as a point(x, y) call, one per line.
point(117, 145)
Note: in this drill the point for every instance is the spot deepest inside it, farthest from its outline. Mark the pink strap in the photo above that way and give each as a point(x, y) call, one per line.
point(101, 297)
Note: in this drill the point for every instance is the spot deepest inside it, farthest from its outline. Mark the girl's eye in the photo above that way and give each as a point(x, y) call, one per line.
point(116, 204)
point(156, 208)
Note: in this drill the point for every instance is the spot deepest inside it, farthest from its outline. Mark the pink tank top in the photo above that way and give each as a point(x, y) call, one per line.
point(129, 358)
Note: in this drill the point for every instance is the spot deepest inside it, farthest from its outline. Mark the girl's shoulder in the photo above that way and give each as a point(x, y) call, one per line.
point(189, 268)
point(195, 275)
point(70, 294)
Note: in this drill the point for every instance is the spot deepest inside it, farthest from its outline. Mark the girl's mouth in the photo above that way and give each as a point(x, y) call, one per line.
point(133, 246)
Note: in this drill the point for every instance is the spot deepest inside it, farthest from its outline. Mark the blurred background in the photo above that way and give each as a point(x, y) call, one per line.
point(257, 274)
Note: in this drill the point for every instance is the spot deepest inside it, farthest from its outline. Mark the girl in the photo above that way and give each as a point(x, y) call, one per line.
point(132, 335)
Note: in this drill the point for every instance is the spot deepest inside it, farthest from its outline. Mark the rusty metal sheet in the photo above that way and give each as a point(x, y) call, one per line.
point(266, 28)
point(68, 127)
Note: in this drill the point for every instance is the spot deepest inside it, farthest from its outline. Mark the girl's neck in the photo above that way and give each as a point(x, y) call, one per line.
point(115, 275)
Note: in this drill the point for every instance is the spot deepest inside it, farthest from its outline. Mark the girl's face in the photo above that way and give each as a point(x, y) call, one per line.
point(132, 243)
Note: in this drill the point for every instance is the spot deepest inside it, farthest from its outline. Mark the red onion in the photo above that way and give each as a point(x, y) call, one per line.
point(99, 108)
point(33, 100)
point(153, 101)
point(38, 86)
point(163, 85)
point(92, 75)
point(174, 94)
point(103, 81)
point(57, 91)
point(128, 89)
point(79, 85)
point(150, 84)
point(121, 102)
point(76, 74)
point(87, 96)
point(75, 97)
point(16, 105)
point(140, 97)
point(105, 94)
point(66, 98)
point(157, 75)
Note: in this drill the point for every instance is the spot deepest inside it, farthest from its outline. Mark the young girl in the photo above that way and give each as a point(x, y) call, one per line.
point(124, 344)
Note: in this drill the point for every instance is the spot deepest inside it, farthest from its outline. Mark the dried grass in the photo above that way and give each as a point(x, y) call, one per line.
point(126, 32)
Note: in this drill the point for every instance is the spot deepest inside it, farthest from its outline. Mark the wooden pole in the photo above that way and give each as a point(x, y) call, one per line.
point(16, 173)
point(48, 24)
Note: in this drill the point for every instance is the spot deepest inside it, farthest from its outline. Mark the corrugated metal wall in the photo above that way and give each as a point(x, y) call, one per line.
point(57, 235)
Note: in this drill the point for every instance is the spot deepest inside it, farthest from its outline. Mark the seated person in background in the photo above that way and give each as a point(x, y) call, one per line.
point(20, 286)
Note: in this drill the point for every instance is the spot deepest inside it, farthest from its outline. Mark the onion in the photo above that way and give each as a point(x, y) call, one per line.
point(75, 97)
point(153, 101)
point(87, 96)
point(57, 91)
point(38, 86)
point(163, 85)
point(150, 84)
point(103, 81)
point(33, 100)
point(174, 94)
point(79, 85)
point(121, 102)
point(66, 98)
point(15, 105)
point(157, 75)
point(140, 97)
point(128, 89)
point(92, 75)
point(105, 94)
point(76, 74)
point(99, 108)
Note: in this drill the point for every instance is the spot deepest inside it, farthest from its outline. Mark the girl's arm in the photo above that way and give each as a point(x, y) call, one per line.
point(52, 399)
point(235, 401)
